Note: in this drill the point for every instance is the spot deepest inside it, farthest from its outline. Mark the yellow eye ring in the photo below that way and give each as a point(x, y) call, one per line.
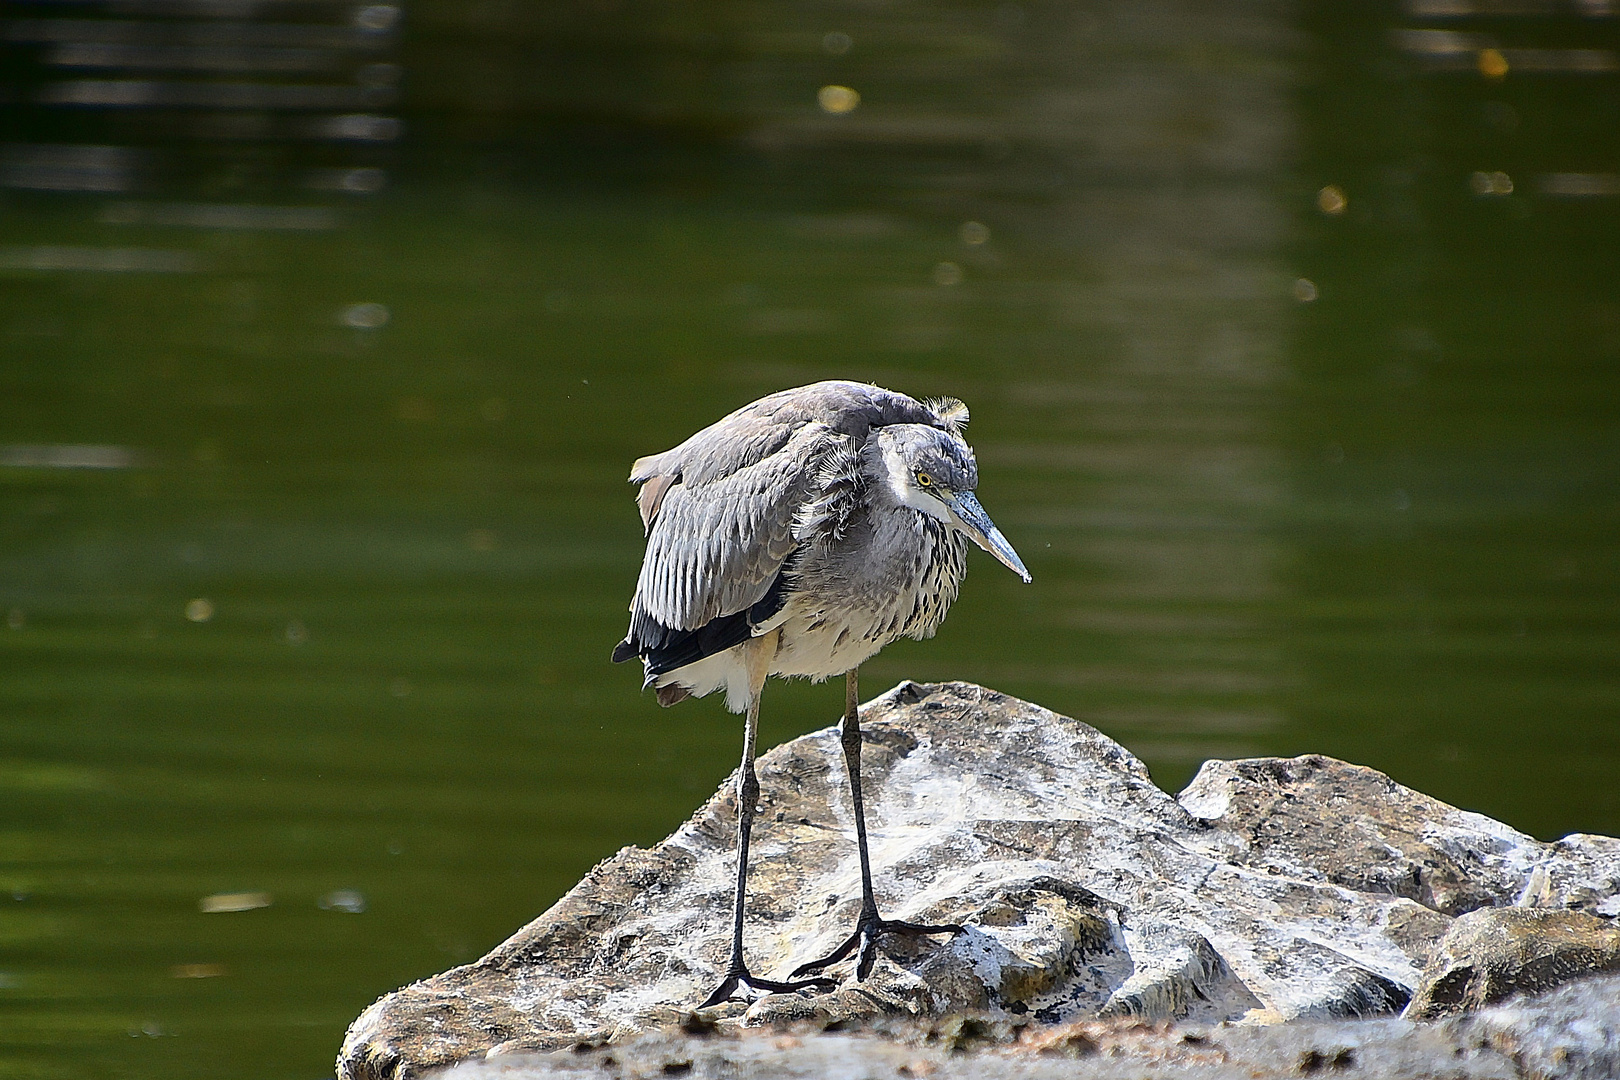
point(924, 480)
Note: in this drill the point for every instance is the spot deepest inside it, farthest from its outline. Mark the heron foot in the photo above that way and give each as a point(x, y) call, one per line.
point(741, 985)
point(863, 942)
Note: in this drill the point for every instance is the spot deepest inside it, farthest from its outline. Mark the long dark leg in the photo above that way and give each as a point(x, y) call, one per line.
point(849, 735)
point(737, 975)
point(870, 926)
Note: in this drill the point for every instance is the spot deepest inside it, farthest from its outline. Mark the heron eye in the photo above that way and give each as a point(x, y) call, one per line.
point(924, 480)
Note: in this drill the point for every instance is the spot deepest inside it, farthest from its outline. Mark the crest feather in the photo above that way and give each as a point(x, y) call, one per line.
point(950, 410)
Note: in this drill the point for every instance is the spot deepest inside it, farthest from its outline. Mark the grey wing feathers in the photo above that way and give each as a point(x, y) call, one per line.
point(720, 508)
point(762, 427)
point(715, 548)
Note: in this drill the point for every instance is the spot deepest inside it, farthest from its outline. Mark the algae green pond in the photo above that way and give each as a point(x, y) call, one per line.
point(1291, 336)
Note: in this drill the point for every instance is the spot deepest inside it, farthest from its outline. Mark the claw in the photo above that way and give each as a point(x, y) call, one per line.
point(863, 942)
point(737, 980)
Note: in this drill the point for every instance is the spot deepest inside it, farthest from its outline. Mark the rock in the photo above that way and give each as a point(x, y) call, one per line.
point(1494, 953)
point(1572, 1033)
point(1270, 890)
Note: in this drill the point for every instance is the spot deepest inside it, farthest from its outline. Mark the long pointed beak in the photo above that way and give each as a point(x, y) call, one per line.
point(977, 524)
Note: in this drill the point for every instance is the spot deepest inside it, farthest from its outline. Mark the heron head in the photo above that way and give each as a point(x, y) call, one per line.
point(933, 471)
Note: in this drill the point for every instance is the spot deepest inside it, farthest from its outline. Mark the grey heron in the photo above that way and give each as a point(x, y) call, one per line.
point(797, 537)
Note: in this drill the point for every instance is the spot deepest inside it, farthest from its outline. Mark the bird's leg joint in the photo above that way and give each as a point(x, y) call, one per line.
point(747, 791)
point(849, 734)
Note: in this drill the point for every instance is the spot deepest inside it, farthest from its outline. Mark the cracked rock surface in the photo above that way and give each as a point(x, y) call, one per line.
point(1269, 890)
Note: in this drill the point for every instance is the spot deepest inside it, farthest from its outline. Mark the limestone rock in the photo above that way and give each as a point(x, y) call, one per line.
point(1494, 953)
point(1271, 889)
point(1572, 1033)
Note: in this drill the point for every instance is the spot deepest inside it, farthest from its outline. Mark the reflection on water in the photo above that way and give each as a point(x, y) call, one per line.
point(1290, 349)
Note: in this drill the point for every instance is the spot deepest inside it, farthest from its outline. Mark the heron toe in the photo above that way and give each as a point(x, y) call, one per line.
point(863, 942)
point(738, 985)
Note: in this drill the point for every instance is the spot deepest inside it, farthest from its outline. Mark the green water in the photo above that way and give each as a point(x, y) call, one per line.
point(1379, 524)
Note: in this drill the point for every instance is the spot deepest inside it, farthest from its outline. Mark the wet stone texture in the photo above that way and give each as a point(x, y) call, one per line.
point(1269, 890)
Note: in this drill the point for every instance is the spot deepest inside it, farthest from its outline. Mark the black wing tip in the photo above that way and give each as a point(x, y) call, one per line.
point(665, 650)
